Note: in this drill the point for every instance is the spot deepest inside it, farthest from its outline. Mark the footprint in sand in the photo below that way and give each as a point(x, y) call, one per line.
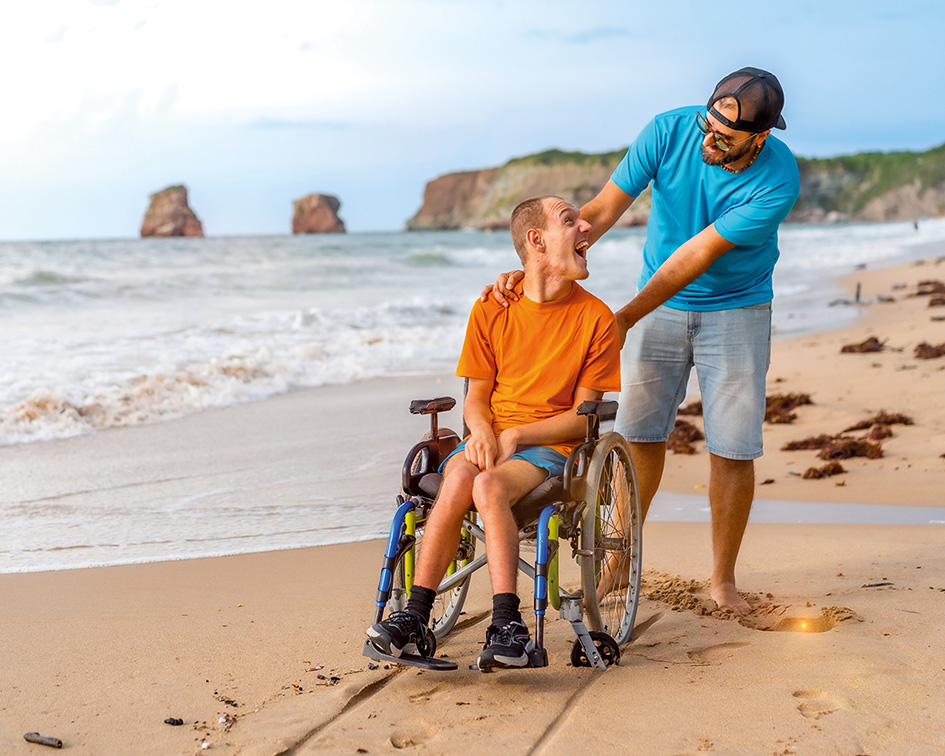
point(424, 696)
point(829, 617)
point(411, 734)
point(716, 653)
point(815, 704)
point(682, 594)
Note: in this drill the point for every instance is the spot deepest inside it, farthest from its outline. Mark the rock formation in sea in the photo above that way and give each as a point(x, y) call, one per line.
point(317, 214)
point(485, 198)
point(870, 186)
point(170, 215)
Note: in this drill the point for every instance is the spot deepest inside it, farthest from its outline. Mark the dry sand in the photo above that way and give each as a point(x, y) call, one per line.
point(842, 654)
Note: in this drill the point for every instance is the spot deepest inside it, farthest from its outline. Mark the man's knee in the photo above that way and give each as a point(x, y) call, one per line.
point(455, 492)
point(459, 475)
point(728, 465)
point(490, 490)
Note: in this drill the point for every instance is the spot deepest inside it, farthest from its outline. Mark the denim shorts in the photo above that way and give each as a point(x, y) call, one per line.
point(730, 350)
point(547, 459)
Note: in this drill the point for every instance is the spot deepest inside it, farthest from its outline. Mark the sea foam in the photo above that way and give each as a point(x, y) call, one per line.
point(111, 333)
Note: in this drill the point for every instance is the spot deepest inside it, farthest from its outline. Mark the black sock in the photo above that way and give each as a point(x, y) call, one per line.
point(505, 609)
point(421, 602)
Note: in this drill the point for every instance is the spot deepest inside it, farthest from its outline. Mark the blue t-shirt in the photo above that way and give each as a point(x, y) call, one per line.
point(688, 196)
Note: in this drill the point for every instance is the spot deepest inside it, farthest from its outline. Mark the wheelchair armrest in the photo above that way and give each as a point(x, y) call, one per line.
point(424, 458)
point(421, 460)
point(575, 470)
point(603, 410)
point(429, 406)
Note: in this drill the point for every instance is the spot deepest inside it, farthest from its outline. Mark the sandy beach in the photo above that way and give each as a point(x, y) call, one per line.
point(261, 653)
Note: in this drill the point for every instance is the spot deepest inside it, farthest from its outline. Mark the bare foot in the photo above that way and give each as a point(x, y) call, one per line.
point(726, 596)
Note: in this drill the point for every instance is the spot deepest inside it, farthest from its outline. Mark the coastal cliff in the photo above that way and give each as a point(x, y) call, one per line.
point(170, 215)
point(871, 186)
point(485, 199)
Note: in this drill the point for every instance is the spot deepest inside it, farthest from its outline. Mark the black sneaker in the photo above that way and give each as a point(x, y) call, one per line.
point(402, 633)
point(506, 646)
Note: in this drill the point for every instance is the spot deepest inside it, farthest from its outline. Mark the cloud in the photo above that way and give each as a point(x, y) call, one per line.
point(265, 122)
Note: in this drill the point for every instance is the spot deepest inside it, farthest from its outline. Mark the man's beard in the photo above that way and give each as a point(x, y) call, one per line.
point(727, 158)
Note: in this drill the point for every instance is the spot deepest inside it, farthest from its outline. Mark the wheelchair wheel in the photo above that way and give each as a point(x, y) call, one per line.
point(448, 604)
point(612, 537)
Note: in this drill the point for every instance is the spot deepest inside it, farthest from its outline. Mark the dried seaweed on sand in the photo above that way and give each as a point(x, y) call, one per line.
point(693, 408)
point(779, 408)
point(811, 442)
point(844, 448)
point(832, 468)
point(680, 440)
point(878, 432)
point(928, 288)
point(872, 344)
point(881, 418)
point(926, 351)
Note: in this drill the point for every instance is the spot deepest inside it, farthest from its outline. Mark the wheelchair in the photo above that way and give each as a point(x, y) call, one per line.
point(594, 506)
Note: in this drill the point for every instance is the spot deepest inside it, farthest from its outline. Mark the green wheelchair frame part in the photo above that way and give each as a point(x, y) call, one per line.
point(410, 528)
point(554, 596)
point(410, 556)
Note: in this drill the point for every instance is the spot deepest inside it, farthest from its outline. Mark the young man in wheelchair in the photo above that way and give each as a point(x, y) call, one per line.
point(529, 368)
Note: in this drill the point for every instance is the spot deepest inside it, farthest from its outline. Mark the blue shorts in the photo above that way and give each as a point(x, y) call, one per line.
point(730, 350)
point(549, 460)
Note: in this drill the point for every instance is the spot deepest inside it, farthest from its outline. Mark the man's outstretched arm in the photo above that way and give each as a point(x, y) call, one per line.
point(605, 209)
point(564, 426)
point(683, 267)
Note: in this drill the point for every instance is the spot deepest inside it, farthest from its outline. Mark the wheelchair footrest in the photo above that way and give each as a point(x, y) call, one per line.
point(410, 660)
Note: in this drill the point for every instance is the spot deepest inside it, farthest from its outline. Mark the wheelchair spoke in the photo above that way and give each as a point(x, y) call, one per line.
point(611, 532)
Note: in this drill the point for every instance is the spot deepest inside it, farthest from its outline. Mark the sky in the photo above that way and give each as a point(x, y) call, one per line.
point(253, 105)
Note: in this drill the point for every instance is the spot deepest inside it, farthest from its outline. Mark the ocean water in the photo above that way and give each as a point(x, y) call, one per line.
point(108, 333)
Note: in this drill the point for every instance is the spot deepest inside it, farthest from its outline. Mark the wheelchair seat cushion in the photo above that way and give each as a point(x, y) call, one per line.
point(430, 484)
point(526, 509)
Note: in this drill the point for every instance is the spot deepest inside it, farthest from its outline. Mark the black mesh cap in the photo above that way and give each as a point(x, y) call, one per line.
point(759, 97)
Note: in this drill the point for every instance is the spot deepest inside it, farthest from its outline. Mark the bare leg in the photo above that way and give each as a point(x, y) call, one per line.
point(442, 532)
point(648, 460)
point(731, 490)
point(494, 492)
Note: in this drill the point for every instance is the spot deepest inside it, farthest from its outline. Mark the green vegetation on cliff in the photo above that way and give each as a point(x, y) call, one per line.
point(560, 157)
point(868, 175)
point(868, 186)
point(842, 185)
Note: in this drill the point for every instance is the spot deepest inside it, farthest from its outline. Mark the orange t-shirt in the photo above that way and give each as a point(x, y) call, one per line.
point(537, 354)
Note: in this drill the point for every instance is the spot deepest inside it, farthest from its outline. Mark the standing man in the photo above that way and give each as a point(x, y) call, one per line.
point(722, 184)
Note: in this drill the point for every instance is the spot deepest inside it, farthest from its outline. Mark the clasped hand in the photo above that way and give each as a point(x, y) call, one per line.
point(486, 450)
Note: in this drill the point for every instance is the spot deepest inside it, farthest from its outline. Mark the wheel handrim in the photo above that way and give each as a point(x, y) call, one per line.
point(612, 574)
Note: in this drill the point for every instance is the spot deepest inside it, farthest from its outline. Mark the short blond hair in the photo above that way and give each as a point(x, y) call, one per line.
point(528, 214)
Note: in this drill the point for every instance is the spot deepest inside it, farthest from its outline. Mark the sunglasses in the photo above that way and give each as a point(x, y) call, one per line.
point(722, 142)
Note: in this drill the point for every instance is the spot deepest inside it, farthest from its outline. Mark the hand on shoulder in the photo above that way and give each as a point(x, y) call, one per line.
point(503, 288)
